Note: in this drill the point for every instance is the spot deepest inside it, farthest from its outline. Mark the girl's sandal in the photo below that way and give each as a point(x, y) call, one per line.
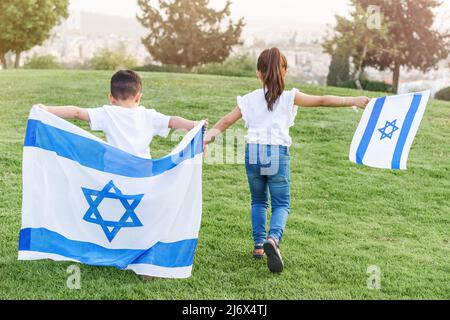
point(258, 252)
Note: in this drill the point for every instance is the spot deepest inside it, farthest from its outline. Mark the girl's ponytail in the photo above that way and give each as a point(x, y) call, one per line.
point(271, 64)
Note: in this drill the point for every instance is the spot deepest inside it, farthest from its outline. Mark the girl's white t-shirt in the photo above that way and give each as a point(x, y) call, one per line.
point(268, 127)
point(130, 129)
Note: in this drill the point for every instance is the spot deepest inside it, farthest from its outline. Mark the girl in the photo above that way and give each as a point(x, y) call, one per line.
point(268, 114)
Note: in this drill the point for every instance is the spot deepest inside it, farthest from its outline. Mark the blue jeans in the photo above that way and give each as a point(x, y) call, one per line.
point(268, 171)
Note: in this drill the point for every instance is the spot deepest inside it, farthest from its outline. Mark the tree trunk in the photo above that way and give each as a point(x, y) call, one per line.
point(17, 62)
point(360, 69)
point(3, 60)
point(396, 77)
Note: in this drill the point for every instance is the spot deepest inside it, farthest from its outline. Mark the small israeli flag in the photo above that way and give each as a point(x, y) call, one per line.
point(87, 201)
point(387, 130)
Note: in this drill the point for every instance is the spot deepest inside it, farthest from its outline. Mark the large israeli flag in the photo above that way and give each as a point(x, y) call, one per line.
point(86, 201)
point(387, 130)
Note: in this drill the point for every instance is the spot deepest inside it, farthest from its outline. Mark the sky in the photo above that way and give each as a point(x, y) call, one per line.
point(316, 11)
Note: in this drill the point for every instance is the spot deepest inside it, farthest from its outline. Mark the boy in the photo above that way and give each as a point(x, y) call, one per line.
point(127, 125)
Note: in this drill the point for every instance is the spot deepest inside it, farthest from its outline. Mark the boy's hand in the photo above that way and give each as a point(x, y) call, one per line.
point(205, 145)
point(205, 126)
point(41, 106)
point(361, 102)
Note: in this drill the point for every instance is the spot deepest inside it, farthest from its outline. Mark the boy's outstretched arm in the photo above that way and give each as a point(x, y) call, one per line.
point(180, 123)
point(67, 112)
point(305, 100)
point(223, 125)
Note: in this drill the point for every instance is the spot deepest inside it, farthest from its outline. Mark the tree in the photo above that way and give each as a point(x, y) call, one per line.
point(27, 23)
point(357, 39)
point(339, 71)
point(189, 33)
point(412, 43)
point(409, 39)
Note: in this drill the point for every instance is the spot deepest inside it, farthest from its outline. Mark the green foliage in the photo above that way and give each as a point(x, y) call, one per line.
point(443, 94)
point(406, 38)
point(42, 62)
point(339, 71)
point(343, 217)
point(107, 59)
point(188, 33)
point(355, 39)
point(163, 68)
point(27, 23)
point(375, 86)
point(238, 66)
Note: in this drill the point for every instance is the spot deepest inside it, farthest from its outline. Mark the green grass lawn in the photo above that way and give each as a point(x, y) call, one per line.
point(344, 217)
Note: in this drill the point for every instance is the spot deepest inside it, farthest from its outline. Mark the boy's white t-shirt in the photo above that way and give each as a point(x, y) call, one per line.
point(268, 127)
point(130, 129)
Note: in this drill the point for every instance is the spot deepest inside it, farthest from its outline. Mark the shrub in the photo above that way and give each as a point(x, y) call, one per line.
point(163, 68)
point(443, 94)
point(42, 62)
point(368, 85)
point(377, 86)
point(238, 66)
point(107, 59)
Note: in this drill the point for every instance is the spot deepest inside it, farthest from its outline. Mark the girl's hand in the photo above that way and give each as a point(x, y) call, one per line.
point(361, 102)
point(209, 137)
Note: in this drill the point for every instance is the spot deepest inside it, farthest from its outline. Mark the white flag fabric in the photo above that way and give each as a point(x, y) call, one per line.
point(87, 201)
point(387, 130)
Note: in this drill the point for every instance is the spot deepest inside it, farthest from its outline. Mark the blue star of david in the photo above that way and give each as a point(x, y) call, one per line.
point(384, 132)
point(110, 191)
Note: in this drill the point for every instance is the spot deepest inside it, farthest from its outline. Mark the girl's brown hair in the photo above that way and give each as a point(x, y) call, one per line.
point(271, 63)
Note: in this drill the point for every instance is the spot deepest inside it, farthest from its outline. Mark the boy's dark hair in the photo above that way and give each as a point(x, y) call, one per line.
point(125, 84)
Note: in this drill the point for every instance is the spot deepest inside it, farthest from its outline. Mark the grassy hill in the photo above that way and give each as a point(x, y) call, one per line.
point(344, 217)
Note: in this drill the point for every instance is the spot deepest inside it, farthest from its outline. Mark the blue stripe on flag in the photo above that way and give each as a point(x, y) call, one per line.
point(396, 159)
point(168, 255)
point(100, 156)
point(371, 126)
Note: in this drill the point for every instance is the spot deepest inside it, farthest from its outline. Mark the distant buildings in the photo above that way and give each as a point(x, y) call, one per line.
point(301, 43)
point(83, 34)
point(78, 39)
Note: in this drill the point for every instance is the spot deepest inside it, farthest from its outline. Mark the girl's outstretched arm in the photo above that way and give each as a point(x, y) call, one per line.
point(305, 100)
point(223, 125)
